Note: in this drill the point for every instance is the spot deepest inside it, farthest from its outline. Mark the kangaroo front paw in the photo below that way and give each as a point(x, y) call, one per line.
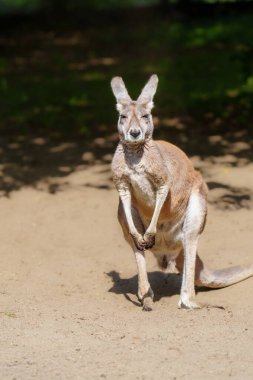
point(139, 241)
point(147, 300)
point(149, 239)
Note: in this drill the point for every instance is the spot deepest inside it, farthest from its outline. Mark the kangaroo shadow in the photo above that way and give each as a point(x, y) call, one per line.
point(163, 285)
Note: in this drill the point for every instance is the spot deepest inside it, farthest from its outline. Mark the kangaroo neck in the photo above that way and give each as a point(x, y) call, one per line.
point(134, 153)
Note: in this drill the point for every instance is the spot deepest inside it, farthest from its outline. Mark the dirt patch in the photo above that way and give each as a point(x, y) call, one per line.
point(68, 288)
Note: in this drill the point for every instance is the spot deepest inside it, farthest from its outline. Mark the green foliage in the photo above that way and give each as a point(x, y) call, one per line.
point(61, 80)
point(248, 86)
point(28, 6)
point(20, 6)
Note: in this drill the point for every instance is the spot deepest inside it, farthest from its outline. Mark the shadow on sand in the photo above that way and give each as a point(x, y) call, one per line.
point(163, 285)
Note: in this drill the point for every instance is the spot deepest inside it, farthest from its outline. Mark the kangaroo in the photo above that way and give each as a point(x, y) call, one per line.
point(162, 201)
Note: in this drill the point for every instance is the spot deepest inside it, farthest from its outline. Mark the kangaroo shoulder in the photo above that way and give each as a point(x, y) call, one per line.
point(118, 165)
point(171, 152)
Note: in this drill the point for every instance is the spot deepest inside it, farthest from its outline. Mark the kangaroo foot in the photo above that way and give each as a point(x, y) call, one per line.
point(188, 304)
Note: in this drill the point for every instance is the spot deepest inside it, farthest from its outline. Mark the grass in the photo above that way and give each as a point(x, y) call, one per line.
point(9, 314)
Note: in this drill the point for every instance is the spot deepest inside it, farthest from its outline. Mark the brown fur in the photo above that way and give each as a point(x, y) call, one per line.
point(163, 204)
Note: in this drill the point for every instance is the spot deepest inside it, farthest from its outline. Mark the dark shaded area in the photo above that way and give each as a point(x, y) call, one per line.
point(57, 113)
point(232, 197)
point(163, 285)
point(28, 159)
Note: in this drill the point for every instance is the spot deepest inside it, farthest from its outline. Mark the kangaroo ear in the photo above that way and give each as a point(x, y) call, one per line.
point(148, 92)
point(120, 92)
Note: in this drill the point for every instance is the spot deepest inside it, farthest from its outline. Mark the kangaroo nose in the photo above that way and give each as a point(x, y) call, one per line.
point(135, 133)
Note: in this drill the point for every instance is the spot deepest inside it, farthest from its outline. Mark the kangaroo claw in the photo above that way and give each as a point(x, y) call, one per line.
point(149, 240)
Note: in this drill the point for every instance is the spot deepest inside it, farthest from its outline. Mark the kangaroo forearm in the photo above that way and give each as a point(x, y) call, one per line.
point(125, 197)
point(160, 199)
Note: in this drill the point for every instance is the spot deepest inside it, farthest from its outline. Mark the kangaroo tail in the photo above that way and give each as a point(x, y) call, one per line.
point(222, 277)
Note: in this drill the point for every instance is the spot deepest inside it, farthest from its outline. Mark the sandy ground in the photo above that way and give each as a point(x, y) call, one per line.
point(68, 287)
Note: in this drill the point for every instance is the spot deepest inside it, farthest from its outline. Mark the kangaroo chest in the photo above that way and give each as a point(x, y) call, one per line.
point(142, 186)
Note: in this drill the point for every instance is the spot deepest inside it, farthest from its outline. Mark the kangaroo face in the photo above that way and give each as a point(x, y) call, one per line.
point(135, 123)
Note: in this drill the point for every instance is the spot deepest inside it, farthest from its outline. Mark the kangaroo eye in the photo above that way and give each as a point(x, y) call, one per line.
point(123, 116)
point(145, 116)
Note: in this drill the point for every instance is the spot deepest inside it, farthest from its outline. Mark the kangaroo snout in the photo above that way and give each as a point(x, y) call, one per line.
point(135, 133)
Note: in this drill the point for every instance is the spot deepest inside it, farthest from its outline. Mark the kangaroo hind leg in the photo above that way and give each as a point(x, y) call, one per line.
point(193, 225)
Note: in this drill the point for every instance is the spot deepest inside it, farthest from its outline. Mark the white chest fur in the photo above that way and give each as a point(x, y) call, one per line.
point(142, 186)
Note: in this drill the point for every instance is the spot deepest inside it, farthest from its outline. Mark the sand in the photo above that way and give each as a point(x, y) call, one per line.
point(68, 305)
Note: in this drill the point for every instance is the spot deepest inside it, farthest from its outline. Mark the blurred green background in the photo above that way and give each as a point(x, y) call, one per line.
point(57, 59)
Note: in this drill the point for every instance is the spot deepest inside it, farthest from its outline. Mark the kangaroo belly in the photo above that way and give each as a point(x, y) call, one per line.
point(169, 239)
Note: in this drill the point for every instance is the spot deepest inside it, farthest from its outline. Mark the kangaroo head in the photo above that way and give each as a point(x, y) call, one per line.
point(135, 124)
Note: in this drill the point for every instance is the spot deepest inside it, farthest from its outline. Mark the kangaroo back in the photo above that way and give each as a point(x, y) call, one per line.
point(180, 168)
